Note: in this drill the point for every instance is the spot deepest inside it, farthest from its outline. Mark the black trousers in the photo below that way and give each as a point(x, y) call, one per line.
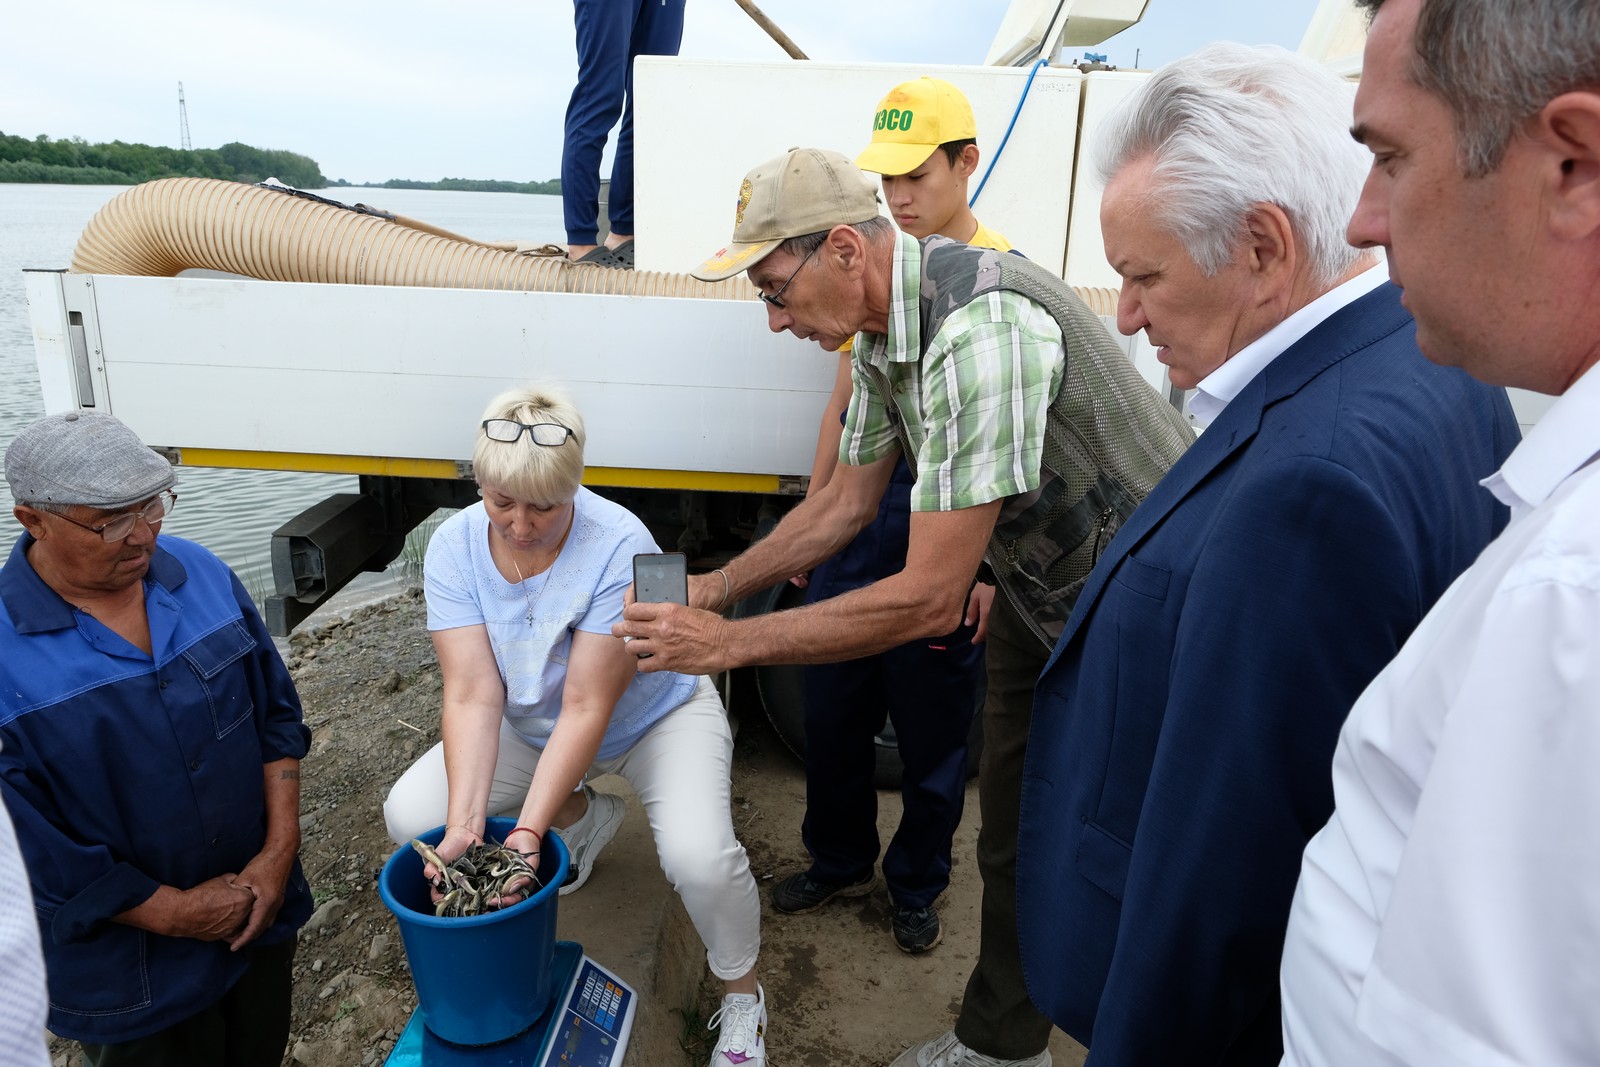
point(928, 690)
point(248, 1027)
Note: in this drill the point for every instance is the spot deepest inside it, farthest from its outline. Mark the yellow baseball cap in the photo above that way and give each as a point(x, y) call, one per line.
point(805, 190)
point(914, 119)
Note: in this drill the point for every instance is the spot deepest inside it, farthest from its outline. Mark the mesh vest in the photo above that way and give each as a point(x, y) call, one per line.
point(1109, 437)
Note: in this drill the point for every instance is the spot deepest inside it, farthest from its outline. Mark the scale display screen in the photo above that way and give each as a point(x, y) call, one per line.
point(593, 1027)
point(586, 1026)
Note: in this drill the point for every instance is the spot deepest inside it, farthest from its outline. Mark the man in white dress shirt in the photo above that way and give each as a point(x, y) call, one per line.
point(1449, 913)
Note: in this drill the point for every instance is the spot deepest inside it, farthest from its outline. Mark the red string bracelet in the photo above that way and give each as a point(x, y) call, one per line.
point(525, 830)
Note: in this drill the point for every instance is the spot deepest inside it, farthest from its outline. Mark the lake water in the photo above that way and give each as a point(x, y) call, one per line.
point(232, 512)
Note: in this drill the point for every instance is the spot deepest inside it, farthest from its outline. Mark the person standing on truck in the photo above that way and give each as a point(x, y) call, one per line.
point(1177, 762)
point(610, 35)
point(150, 746)
point(924, 143)
point(1031, 438)
point(522, 590)
point(1448, 914)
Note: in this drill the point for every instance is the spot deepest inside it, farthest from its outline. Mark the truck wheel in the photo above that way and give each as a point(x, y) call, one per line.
point(782, 689)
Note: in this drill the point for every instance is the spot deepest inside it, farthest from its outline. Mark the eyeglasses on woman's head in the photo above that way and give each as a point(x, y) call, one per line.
point(548, 434)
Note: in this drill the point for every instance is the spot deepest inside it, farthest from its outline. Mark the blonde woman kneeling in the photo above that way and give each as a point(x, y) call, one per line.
point(522, 590)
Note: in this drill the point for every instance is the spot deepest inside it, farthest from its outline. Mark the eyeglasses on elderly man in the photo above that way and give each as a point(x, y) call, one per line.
point(119, 527)
point(776, 299)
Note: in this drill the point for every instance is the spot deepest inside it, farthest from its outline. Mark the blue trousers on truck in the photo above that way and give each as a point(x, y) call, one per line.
point(927, 689)
point(610, 33)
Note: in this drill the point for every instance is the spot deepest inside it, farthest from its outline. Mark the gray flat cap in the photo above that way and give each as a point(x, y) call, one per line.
point(83, 457)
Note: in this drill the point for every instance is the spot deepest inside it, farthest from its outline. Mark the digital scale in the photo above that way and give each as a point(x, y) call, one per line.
point(587, 1025)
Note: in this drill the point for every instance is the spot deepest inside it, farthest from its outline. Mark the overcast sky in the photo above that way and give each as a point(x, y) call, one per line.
point(408, 89)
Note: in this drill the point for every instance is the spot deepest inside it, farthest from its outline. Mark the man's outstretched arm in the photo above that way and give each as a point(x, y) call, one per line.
point(925, 599)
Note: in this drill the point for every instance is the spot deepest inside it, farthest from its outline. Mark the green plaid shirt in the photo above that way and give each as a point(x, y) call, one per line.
point(974, 403)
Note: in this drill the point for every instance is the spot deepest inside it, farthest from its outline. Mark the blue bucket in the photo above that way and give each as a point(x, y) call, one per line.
point(481, 979)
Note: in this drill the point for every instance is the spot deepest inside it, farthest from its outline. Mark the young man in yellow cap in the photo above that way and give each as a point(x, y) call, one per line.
point(925, 145)
point(923, 142)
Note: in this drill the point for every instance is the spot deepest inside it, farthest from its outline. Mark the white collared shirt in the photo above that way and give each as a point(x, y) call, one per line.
point(23, 1004)
point(1449, 912)
point(1552, 450)
point(1216, 389)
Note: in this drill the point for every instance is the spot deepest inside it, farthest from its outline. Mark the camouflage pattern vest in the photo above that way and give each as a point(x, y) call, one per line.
point(1109, 437)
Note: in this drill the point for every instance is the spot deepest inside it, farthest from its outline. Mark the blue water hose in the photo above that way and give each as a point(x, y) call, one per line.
point(1013, 125)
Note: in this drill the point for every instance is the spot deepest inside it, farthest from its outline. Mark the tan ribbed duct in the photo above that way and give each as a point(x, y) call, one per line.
point(1101, 301)
point(162, 228)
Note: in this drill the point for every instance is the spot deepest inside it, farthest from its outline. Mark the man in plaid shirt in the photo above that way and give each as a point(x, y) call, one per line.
point(1031, 437)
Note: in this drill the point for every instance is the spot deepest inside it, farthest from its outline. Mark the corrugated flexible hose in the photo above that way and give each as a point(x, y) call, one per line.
point(165, 227)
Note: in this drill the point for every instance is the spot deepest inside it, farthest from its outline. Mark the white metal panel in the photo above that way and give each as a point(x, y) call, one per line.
point(666, 384)
point(1021, 31)
point(1092, 21)
point(701, 125)
point(1336, 36)
point(1529, 407)
point(1086, 251)
point(1028, 23)
point(62, 306)
point(51, 348)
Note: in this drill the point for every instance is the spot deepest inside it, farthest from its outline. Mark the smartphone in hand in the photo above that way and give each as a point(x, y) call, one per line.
point(661, 577)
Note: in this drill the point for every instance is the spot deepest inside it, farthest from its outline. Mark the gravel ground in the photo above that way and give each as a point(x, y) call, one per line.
point(840, 994)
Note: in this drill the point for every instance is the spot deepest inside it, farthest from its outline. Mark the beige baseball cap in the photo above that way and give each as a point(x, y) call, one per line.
point(805, 190)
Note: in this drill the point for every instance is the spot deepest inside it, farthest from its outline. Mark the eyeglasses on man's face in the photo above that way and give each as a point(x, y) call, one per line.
point(776, 299)
point(548, 434)
point(116, 529)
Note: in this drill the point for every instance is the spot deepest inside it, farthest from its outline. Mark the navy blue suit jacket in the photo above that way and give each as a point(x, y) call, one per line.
point(1184, 727)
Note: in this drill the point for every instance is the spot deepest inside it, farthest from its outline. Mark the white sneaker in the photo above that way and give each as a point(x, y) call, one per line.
point(743, 1022)
point(592, 832)
point(946, 1050)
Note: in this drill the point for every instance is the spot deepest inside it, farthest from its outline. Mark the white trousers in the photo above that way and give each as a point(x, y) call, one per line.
point(680, 769)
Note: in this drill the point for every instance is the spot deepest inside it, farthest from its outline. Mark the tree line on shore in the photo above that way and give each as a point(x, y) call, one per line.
point(472, 185)
point(75, 161)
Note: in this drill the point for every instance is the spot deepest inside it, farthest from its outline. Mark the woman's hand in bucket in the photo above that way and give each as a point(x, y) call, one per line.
point(525, 842)
point(457, 839)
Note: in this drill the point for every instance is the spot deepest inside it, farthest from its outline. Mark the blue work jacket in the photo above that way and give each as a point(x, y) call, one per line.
point(124, 772)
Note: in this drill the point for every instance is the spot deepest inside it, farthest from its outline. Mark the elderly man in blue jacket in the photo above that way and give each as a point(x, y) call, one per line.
point(1182, 731)
point(150, 745)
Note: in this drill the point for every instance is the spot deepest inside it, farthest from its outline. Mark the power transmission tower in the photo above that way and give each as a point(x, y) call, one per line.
point(183, 120)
